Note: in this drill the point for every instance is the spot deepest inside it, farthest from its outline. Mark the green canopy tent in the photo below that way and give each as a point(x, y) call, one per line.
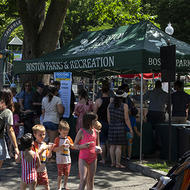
point(134, 48)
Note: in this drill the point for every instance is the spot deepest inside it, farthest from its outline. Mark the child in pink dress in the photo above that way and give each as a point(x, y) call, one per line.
point(83, 106)
point(87, 141)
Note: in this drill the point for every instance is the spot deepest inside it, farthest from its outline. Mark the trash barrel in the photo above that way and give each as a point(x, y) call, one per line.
point(147, 141)
point(163, 132)
point(184, 139)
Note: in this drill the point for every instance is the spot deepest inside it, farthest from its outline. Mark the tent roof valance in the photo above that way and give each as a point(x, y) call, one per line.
point(134, 48)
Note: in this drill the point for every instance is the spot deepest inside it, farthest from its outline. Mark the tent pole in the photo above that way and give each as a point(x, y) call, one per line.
point(141, 116)
point(93, 86)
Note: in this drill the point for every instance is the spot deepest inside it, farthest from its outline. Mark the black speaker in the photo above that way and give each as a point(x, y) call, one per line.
point(168, 63)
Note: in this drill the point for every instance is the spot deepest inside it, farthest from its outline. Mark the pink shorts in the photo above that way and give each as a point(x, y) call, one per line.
point(42, 178)
point(63, 169)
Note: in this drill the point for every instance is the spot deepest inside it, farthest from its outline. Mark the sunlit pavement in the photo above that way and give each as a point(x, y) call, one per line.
point(106, 177)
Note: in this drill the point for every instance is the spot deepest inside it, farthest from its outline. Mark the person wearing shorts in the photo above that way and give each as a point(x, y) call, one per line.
point(52, 109)
point(63, 143)
point(129, 135)
point(44, 151)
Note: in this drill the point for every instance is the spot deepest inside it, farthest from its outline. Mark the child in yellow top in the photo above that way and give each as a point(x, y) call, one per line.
point(44, 151)
point(63, 143)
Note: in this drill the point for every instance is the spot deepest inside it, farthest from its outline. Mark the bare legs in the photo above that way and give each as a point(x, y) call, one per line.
point(103, 153)
point(59, 181)
point(118, 154)
point(87, 172)
point(112, 154)
point(52, 135)
point(1, 163)
point(32, 186)
point(115, 154)
point(130, 148)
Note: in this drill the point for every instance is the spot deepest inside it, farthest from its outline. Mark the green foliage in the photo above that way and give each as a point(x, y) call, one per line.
point(93, 15)
point(187, 90)
point(85, 15)
point(8, 14)
point(174, 11)
point(117, 12)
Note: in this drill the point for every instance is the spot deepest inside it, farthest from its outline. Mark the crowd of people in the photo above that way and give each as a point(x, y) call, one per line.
point(33, 120)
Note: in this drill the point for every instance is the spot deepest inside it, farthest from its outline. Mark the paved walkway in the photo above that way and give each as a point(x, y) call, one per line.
point(106, 177)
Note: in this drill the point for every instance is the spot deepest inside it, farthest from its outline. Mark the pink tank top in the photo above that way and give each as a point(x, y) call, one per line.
point(29, 172)
point(88, 154)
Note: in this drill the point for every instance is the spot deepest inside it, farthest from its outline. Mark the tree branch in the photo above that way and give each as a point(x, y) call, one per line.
point(53, 25)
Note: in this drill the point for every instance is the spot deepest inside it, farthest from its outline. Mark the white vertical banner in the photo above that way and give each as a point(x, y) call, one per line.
point(65, 79)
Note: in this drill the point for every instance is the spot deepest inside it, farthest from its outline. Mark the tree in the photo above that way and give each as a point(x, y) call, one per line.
point(93, 15)
point(8, 14)
point(174, 11)
point(41, 29)
point(42, 23)
point(43, 20)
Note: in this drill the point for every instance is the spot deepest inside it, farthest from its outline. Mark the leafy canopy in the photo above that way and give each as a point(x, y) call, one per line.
point(84, 15)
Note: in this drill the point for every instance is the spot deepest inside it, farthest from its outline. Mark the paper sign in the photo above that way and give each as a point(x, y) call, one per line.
point(65, 79)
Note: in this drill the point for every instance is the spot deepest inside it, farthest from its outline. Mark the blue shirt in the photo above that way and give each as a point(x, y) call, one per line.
point(133, 123)
point(27, 97)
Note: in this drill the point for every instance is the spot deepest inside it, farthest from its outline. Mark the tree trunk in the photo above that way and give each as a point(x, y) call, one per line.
point(41, 31)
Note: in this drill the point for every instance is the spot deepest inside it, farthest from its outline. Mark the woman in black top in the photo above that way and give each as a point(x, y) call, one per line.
point(100, 108)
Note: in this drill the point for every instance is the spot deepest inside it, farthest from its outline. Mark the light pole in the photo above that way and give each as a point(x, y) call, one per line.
point(171, 61)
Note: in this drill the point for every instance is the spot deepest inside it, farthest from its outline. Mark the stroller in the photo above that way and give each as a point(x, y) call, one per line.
point(180, 181)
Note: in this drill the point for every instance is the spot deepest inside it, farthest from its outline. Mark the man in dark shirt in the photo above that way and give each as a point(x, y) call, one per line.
point(25, 101)
point(180, 102)
point(25, 97)
point(158, 99)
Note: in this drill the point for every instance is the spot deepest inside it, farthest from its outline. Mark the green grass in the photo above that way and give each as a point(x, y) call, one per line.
point(187, 91)
point(163, 166)
point(187, 84)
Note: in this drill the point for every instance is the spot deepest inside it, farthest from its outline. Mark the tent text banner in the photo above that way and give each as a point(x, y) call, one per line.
point(98, 62)
point(134, 48)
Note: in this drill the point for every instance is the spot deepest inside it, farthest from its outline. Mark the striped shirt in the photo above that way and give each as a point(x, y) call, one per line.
point(29, 172)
